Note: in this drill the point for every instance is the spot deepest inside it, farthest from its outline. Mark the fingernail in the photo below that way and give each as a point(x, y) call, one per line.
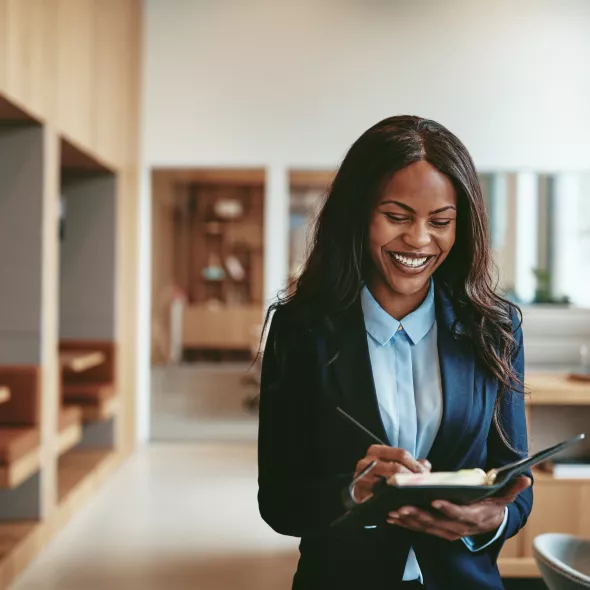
point(405, 511)
point(437, 505)
point(393, 515)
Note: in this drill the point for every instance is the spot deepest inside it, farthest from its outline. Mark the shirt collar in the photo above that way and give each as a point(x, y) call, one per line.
point(382, 327)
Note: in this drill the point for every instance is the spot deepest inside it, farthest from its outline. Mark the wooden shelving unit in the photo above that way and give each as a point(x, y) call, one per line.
point(69, 96)
point(556, 408)
point(208, 245)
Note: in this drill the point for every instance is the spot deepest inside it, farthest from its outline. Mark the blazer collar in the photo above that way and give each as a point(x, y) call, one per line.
point(356, 388)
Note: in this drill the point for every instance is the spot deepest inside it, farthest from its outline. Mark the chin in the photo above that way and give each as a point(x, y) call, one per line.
point(408, 286)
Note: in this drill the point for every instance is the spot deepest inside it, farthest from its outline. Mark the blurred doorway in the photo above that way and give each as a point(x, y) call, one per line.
point(207, 236)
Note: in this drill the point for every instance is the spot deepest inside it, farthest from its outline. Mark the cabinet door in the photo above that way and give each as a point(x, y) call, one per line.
point(513, 547)
point(558, 508)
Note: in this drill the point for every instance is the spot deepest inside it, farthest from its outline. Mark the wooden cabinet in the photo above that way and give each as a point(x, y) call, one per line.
point(225, 328)
point(556, 408)
point(559, 507)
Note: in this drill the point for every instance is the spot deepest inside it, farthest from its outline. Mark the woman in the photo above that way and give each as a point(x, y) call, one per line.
point(394, 319)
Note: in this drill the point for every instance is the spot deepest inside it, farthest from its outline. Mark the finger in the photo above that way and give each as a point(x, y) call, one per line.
point(454, 512)
point(426, 464)
point(398, 455)
point(509, 494)
point(520, 484)
point(382, 469)
point(429, 520)
point(415, 525)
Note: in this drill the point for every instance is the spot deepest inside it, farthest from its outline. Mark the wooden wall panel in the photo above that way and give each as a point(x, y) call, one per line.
point(75, 68)
point(110, 81)
point(30, 53)
point(3, 43)
point(129, 216)
point(75, 65)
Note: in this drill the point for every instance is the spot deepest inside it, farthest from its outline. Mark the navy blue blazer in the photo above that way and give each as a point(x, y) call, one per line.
point(307, 453)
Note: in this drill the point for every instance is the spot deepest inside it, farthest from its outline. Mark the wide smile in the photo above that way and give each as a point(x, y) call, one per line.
point(411, 263)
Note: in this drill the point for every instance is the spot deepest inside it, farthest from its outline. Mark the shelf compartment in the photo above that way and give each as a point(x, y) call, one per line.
point(75, 466)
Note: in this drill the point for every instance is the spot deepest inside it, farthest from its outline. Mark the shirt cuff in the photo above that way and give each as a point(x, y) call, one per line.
point(478, 544)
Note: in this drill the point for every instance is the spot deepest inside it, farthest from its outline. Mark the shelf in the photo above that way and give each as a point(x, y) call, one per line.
point(549, 389)
point(547, 478)
point(104, 409)
point(12, 534)
point(18, 471)
point(518, 567)
point(78, 159)
point(74, 467)
point(311, 178)
point(9, 111)
point(4, 394)
point(218, 176)
point(79, 361)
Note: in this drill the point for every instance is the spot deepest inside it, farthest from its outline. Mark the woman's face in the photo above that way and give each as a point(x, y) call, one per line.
point(412, 228)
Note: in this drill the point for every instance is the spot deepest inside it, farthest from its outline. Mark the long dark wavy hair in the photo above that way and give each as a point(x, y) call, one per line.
point(333, 275)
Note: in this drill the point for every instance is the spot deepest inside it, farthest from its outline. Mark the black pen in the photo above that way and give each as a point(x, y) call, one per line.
point(361, 427)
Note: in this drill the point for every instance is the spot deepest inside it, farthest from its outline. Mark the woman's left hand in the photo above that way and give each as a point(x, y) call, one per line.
point(453, 522)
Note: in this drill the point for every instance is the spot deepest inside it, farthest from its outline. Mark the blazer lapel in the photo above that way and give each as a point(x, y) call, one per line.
point(457, 366)
point(354, 375)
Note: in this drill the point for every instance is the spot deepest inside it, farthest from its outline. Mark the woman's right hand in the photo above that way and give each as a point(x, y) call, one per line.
point(390, 460)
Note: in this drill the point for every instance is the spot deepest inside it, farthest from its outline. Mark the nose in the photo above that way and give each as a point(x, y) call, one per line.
point(417, 235)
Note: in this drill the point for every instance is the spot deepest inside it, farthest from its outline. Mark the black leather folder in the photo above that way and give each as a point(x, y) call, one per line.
point(387, 497)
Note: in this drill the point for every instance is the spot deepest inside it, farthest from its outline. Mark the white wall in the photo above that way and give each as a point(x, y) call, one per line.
point(256, 81)
point(292, 84)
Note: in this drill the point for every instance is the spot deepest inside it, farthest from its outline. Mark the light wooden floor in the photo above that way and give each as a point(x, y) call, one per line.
point(175, 517)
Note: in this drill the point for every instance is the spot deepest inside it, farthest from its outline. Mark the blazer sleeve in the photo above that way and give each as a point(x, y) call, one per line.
point(513, 421)
point(292, 499)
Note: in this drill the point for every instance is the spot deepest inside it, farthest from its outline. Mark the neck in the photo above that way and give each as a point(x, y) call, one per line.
point(397, 305)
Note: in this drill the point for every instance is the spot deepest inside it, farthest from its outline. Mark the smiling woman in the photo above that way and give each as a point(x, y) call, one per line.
point(394, 320)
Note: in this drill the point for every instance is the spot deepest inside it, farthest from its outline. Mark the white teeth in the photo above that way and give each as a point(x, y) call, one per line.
point(411, 262)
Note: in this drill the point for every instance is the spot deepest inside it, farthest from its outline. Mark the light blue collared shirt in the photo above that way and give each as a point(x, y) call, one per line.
point(406, 372)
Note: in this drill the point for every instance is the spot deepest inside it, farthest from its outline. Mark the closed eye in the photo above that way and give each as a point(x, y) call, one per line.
point(396, 218)
point(440, 223)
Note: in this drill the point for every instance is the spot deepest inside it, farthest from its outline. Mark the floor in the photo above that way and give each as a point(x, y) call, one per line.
point(203, 401)
point(175, 517)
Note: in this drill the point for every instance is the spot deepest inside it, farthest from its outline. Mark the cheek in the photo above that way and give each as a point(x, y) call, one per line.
point(381, 232)
point(446, 242)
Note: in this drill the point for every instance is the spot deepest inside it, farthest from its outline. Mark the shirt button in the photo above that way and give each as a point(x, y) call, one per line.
point(400, 328)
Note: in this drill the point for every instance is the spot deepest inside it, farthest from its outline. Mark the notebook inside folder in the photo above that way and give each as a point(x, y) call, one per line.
point(460, 487)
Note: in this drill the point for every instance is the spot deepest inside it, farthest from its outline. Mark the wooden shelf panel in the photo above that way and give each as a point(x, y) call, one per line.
point(75, 158)
point(217, 176)
point(104, 410)
point(17, 472)
point(68, 438)
point(4, 394)
point(74, 467)
point(556, 389)
point(542, 477)
point(518, 567)
point(12, 534)
point(80, 361)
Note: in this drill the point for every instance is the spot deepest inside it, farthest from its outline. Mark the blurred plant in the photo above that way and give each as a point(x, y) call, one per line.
point(543, 290)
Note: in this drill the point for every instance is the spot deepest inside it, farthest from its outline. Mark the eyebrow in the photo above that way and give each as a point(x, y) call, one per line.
point(407, 208)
